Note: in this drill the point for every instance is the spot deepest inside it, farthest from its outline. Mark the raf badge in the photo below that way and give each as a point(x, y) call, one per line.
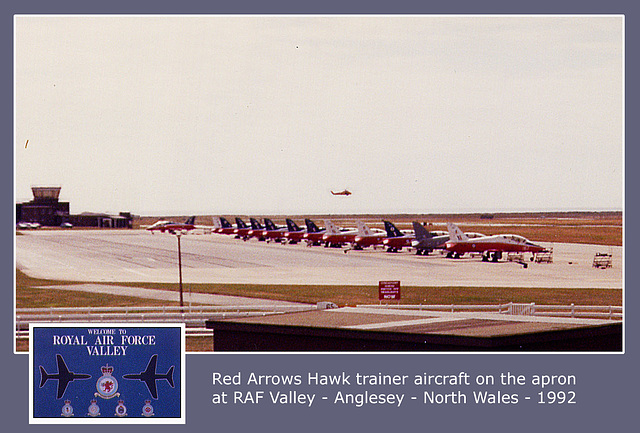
point(107, 385)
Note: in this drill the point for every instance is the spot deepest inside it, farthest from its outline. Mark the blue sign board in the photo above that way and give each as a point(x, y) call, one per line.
point(98, 372)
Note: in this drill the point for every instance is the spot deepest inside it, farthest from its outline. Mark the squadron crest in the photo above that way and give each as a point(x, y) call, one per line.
point(121, 409)
point(67, 409)
point(94, 409)
point(147, 409)
point(107, 385)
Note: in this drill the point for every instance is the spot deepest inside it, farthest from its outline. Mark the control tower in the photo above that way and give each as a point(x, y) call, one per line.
point(45, 208)
point(46, 193)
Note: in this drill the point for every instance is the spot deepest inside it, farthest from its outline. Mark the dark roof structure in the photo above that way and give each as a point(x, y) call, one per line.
point(362, 329)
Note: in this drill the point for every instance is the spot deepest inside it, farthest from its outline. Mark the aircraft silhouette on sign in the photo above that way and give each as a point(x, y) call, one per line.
point(63, 376)
point(149, 376)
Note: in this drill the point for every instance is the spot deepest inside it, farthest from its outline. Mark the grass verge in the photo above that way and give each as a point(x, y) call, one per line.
point(30, 295)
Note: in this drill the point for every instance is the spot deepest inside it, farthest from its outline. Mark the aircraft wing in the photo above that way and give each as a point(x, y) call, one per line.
point(151, 386)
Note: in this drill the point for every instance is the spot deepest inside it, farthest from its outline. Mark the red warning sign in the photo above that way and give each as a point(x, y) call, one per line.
point(389, 290)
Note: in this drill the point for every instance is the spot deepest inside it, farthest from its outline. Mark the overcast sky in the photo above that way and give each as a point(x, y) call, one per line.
point(162, 115)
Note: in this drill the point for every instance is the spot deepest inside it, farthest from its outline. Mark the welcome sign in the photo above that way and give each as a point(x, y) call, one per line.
point(106, 373)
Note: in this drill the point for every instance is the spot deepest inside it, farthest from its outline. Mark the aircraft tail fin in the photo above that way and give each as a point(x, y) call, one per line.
point(255, 224)
point(363, 229)
point(225, 223)
point(191, 220)
point(455, 234)
point(392, 230)
point(170, 377)
point(331, 227)
point(269, 225)
point(44, 376)
point(217, 222)
point(292, 226)
point(241, 224)
point(421, 232)
point(311, 226)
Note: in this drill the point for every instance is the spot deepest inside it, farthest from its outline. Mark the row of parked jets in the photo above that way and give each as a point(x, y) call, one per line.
point(454, 242)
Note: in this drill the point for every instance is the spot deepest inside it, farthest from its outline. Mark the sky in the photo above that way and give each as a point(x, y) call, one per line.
point(177, 115)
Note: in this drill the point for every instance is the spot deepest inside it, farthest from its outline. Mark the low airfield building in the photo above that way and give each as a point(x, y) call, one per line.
point(370, 329)
point(47, 210)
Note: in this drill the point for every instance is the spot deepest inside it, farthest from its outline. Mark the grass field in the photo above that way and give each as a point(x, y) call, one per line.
point(29, 296)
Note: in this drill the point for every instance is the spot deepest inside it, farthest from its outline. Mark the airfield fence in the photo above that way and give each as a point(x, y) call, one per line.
point(610, 312)
point(193, 317)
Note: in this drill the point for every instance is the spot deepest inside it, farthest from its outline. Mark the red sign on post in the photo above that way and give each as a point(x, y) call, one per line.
point(389, 290)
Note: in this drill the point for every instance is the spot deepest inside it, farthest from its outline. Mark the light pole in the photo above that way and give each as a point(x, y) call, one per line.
point(178, 235)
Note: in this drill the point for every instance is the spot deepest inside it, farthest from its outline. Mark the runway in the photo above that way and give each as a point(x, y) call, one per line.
point(138, 256)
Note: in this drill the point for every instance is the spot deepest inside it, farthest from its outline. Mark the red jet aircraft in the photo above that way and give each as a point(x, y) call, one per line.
point(173, 227)
point(314, 234)
point(273, 232)
point(294, 233)
point(335, 237)
point(222, 226)
point(396, 239)
point(367, 237)
point(256, 230)
point(491, 247)
point(242, 229)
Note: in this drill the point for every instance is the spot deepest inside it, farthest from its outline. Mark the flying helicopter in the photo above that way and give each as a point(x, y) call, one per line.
point(344, 192)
